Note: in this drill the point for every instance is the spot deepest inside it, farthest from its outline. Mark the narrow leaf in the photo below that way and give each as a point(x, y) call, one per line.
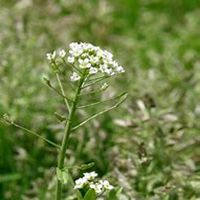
point(123, 98)
point(9, 177)
point(99, 102)
point(6, 118)
point(90, 195)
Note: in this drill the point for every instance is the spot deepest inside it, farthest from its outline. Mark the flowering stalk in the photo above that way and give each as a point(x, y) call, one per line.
point(89, 65)
point(66, 137)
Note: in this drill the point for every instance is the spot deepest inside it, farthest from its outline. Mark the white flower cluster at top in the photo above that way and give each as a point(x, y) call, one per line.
point(88, 56)
point(89, 180)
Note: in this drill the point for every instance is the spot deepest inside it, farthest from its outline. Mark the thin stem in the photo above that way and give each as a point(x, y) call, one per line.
point(99, 77)
point(33, 133)
point(55, 90)
point(92, 92)
point(72, 67)
point(66, 137)
point(102, 112)
point(99, 102)
point(63, 92)
point(95, 81)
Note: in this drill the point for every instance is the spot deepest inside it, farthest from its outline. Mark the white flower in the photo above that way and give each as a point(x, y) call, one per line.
point(97, 187)
point(109, 72)
point(88, 180)
point(90, 175)
point(107, 55)
point(62, 53)
point(93, 58)
point(103, 68)
point(75, 49)
point(114, 64)
point(74, 77)
point(99, 53)
point(51, 56)
point(93, 70)
point(120, 69)
point(80, 183)
point(106, 184)
point(70, 59)
point(84, 63)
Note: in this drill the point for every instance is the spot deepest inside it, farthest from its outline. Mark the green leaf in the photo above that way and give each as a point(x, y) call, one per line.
point(113, 194)
point(79, 195)
point(90, 195)
point(61, 118)
point(87, 166)
point(9, 177)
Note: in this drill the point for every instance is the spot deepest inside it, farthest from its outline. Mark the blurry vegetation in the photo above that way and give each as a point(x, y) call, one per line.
point(150, 146)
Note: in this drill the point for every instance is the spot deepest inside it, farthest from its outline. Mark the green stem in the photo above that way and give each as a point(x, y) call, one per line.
point(65, 141)
point(62, 91)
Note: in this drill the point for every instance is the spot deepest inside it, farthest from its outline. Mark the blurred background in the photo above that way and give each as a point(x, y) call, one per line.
point(149, 146)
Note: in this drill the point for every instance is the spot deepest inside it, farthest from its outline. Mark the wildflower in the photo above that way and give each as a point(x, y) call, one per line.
point(70, 59)
point(93, 58)
point(88, 180)
point(62, 53)
point(80, 183)
point(93, 70)
point(120, 69)
point(74, 77)
point(106, 184)
point(51, 56)
point(98, 188)
point(90, 175)
point(84, 63)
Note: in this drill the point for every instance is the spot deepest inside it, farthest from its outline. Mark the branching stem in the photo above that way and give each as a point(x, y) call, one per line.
point(99, 102)
point(101, 112)
point(66, 137)
point(32, 133)
point(63, 92)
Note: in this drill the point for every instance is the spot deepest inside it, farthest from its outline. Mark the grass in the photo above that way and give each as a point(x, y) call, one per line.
point(150, 146)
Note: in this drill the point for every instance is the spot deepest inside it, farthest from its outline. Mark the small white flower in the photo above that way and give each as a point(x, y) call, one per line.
point(107, 55)
point(94, 59)
point(99, 53)
point(106, 184)
point(93, 70)
point(114, 64)
point(109, 72)
point(62, 53)
point(90, 175)
point(120, 69)
point(103, 68)
point(80, 183)
point(98, 187)
point(70, 59)
point(74, 77)
point(84, 63)
point(51, 56)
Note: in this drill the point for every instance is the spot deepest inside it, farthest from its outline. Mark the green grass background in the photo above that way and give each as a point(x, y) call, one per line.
point(158, 43)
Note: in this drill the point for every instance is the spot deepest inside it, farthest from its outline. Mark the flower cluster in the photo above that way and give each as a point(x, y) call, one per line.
point(88, 180)
point(51, 56)
point(86, 56)
point(93, 58)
